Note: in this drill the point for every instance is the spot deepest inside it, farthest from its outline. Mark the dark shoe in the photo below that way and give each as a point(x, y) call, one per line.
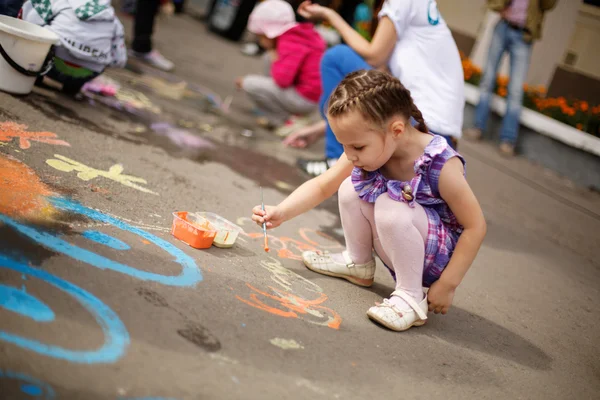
point(316, 167)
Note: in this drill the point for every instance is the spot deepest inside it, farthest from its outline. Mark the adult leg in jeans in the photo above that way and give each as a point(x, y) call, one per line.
point(337, 62)
point(519, 51)
point(497, 48)
point(145, 15)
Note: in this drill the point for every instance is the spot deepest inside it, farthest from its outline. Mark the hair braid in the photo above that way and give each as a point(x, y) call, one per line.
point(377, 95)
point(418, 116)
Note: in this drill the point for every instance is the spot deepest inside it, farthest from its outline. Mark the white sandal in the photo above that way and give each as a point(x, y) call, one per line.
point(395, 319)
point(322, 263)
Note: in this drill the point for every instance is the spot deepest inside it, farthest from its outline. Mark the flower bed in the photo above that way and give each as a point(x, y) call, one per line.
point(573, 112)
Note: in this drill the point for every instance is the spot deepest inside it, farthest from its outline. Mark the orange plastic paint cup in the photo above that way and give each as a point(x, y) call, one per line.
point(196, 232)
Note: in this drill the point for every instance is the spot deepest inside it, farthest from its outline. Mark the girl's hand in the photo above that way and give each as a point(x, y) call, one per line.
point(440, 296)
point(272, 216)
point(302, 138)
point(313, 12)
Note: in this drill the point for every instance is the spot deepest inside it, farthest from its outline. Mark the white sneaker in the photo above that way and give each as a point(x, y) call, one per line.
point(395, 319)
point(292, 125)
point(155, 59)
point(323, 263)
point(316, 167)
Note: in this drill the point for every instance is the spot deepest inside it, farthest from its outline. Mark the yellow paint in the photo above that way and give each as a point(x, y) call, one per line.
point(286, 344)
point(86, 173)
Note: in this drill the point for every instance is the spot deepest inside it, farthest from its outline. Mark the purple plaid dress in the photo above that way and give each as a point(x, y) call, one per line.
point(444, 230)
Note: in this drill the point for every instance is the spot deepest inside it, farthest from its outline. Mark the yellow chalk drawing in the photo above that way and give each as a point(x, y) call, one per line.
point(137, 100)
point(286, 344)
point(169, 90)
point(284, 185)
point(86, 173)
point(288, 279)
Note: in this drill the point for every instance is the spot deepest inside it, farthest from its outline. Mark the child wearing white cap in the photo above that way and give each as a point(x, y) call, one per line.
point(293, 87)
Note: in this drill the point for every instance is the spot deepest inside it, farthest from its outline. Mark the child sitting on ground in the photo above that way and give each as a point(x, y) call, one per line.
point(402, 191)
point(292, 90)
point(91, 38)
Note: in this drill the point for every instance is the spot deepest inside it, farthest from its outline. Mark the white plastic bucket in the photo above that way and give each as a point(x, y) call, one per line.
point(24, 47)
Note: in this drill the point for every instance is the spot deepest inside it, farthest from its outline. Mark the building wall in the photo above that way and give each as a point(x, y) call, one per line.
point(570, 37)
point(583, 55)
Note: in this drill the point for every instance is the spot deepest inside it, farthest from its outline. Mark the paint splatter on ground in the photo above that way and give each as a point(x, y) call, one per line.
point(22, 193)
point(286, 344)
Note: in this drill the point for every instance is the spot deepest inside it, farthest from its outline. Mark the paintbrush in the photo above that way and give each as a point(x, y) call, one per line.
point(264, 225)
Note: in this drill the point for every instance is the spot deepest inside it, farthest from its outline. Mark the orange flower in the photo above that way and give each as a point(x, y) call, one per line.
point(579, 126)
point(525, 87)
point(502, 81)
point(541, 89)
point(584, 106)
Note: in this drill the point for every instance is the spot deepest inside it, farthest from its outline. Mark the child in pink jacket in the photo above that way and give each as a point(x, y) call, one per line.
point(293, 87)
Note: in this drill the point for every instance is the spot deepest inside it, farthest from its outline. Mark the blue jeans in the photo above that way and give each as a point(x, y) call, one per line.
point(337, 62)
point(10, 7)
point(505, 38)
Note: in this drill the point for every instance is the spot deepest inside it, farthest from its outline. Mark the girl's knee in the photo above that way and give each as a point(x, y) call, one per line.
point(346, 193)
point(392, 214)
point(255, 83)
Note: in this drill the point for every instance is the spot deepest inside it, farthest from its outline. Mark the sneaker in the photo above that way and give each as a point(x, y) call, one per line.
point(472, 134)
point(292, 125)
point(395, 319)
point(507, 149)
point(155, 59)
point(316, 167)
point(323, 263)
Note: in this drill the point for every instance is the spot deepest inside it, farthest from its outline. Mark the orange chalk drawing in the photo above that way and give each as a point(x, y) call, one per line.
point(11, 130)
point(22, 193)
point(292, 249)
point(290, 302)
point(291, 306)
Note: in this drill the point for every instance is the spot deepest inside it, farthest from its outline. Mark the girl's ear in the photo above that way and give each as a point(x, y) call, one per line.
point(397, 127)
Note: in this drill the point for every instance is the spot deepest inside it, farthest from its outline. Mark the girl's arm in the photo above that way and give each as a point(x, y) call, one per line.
point(457, 193)
point(376, 52)
point(315, 191)
point(306, 197)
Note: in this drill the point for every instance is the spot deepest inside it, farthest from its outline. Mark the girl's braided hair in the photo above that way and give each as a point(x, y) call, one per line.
point(377, 95)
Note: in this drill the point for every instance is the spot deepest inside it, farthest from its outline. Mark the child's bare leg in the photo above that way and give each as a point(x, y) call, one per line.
point(402, 232)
